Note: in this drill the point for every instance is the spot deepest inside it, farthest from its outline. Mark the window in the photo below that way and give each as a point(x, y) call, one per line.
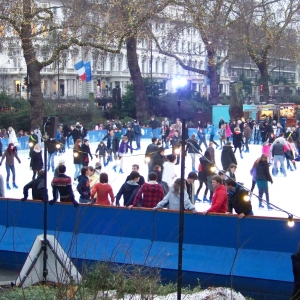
point(189, 47)
point(156, 66)
point(16, 58)
point(143, 66)
point(111, 63)
point(119, 64)
point(177, 46)
point(163, 67)
point(182, 47)
point(102, 64)
point(194, 48)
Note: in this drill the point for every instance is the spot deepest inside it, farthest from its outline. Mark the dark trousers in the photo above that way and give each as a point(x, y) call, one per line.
point(211, 139)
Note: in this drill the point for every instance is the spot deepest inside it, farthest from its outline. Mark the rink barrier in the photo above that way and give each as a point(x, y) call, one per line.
point(252, 250)
point(94, 136)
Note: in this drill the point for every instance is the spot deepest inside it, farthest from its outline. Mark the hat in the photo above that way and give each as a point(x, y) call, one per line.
point(62, 161)
point(98, 165)
point(85, 140)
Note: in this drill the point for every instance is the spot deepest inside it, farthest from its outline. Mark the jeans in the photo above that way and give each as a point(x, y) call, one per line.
point(51, 161)
point(84, 200)
point(12, 169)
point(138, 140)
point(280, 159)
point(192, 155)
point(246, 143)
point(153, 132)
point(77, 170)
point(264, 191)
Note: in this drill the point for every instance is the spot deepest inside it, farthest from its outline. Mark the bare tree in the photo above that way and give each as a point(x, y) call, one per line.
point(213, 20)
point(262, 26)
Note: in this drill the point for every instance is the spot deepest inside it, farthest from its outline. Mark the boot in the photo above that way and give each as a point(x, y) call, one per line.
point(121, 171)
point(14, 185)
point(7, 186)
point(260, 205)
point(197, 198)
point(241, 155)
point(270, 207)
point(205, 199)
point(115, 168)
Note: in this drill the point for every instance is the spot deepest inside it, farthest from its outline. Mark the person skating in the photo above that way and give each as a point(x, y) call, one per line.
point(237, 140)
point(83, 186)
point(86, 152)
point(121, 151)
point(9, 155)
point(77, 158)
point(262, 178)
point(193, 149)
point(102, 148)
point(36, 162)
point(227, 156)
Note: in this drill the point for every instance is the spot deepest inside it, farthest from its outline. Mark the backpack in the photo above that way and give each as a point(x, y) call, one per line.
point(200, 168)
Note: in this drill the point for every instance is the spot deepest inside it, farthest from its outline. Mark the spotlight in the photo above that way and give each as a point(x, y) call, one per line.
point(177, 151)
point(247, 198)
point(75, 154)
point(213, 169)
point(291, 222)
point(57, 146)
point(30, 144)
point(147, 159)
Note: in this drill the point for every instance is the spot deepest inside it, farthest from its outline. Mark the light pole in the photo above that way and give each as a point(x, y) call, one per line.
point(256, 85)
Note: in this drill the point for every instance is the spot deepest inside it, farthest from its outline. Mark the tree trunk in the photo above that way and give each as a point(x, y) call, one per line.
point(36, 99)
point(214, 85)
point(263, 69)
point(33, 67)
point(142, 105)
point(212, 75)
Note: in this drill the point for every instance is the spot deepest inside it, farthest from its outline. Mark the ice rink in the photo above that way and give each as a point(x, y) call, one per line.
point(283, 192)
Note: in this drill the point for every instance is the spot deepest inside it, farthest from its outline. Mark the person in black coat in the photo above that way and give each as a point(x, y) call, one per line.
point(130, 136)
point(112, 145)
point(296, 271)
point(129, 189)
point(37, 186)
point(159, 158)
point(236, 200)
point(204, 171)
point(36, 162)
point(153, 124)
point(238, 140)
point(227, 156)
point(150, 151)
point(86, 152)
point(135, 168)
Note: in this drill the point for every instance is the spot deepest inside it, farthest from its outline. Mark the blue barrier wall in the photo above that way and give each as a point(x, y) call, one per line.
point(94, 137)
point(215, 246)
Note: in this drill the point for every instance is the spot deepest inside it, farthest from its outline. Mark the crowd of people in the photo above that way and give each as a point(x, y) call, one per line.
point(161, 189)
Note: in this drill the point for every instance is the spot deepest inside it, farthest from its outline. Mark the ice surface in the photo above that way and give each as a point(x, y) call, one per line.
point(283, 192)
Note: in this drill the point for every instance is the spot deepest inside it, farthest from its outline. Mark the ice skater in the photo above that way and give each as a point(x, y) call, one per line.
point(123, 148)
point(10, 154)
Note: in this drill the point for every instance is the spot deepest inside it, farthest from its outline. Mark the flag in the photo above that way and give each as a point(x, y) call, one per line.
point(80, 70)
point(88, 71)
